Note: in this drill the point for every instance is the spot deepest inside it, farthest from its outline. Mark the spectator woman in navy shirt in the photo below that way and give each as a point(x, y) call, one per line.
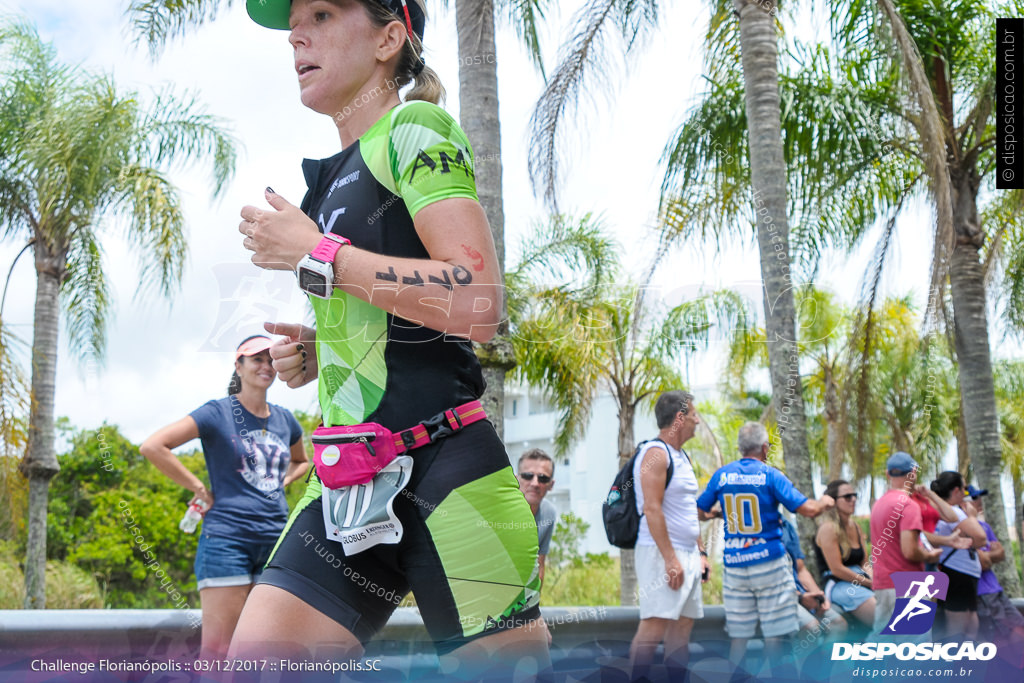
point(253, 450)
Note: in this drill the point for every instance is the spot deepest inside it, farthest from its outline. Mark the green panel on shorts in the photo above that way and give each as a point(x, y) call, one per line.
point(486, 538)
point(313, 489)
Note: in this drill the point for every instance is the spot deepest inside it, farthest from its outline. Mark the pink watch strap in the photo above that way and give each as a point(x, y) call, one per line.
point(328, 248)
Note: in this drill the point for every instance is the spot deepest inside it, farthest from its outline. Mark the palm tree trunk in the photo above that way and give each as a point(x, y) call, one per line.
point(833, 425)
point(1017, 521)
point(963, 456)
point(627, 444)
point(758, 44)
point(974, 364)
point(40, 463)
point(478, 109)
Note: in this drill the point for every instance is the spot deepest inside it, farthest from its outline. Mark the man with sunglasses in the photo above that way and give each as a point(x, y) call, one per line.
point(536, 479)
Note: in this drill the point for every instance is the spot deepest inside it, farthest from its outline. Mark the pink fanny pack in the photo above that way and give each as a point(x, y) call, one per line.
point(354, 454)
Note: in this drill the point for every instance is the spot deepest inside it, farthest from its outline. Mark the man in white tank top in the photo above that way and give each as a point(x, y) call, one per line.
point(670, 558)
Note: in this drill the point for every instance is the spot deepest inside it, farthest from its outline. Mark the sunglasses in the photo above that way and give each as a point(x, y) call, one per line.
point(848, 496)
point(541, 478)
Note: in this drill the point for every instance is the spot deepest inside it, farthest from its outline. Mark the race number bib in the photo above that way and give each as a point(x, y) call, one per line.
point(361, 516)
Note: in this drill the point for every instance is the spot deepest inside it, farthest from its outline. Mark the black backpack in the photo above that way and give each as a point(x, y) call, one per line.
point(621, 519)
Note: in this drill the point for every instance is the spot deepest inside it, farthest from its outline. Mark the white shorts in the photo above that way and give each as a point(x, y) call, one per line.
point(762, 592)
point(659, 601)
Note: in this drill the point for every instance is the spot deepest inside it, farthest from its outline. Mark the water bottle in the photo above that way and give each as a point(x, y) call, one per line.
point(191, 519)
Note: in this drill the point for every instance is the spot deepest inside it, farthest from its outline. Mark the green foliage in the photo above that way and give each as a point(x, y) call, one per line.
point(68, 586)
point(105, 488)
point(79, 158)
point(892, 389)
point(579, 332)
point(565, 541)
point(591, 580)
point(574, 579)
point(113, 517)
point(13, 499)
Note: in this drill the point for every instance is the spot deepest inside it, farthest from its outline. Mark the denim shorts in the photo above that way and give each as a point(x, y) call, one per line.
point(225, 561)
point(846, 595)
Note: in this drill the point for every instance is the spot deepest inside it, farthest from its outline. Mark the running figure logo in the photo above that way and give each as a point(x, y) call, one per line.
point(914, 612)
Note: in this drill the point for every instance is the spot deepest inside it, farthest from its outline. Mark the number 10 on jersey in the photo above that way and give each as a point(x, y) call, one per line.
point(742, 513)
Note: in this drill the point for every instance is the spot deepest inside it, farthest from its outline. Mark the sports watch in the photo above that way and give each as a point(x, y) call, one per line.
point(316, 269)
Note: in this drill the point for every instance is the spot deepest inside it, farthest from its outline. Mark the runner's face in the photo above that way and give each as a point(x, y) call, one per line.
point(533, 489)
point(335, 47)
point(256, 370)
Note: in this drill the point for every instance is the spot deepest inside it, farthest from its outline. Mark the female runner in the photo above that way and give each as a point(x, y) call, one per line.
point(397, 256)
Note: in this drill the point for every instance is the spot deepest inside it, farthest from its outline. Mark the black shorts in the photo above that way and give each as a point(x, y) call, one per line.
point(962, 595)
point(468, 549)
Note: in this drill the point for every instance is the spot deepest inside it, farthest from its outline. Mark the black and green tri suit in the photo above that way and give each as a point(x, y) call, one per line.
point(469, 547)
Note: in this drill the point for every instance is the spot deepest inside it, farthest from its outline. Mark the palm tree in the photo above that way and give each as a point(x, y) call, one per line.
point(946, 50)
point(578, 334)
point(857, 150)
point(78, 158)
point(14, 407)
point(824, 329)
point(478, 113)
point(1010, 394)
point(767, 169)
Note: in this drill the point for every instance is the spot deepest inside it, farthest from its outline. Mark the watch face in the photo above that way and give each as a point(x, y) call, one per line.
point(313, 282)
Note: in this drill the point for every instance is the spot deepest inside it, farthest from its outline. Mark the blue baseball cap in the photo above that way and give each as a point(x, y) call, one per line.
point(976, 493)
point(900, 463)
point(275, 13)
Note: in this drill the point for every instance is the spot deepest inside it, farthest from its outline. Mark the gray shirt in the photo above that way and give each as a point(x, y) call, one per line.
point(546, 518)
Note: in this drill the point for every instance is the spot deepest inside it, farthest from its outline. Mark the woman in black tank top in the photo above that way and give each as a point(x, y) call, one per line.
point(839, 549)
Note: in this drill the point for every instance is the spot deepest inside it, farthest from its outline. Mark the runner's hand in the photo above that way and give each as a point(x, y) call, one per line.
point(294, 357)
point(280, 236)
point(674, 573)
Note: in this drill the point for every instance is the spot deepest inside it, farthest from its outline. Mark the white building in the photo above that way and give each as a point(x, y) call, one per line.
point(582, 479)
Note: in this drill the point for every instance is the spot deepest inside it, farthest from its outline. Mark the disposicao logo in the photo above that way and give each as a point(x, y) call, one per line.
point(915, 611)
point(913, 615)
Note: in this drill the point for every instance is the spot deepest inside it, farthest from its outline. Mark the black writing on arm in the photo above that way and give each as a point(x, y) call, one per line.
point(458, 275)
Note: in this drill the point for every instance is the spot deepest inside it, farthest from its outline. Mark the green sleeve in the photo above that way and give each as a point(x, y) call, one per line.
point(429, 155)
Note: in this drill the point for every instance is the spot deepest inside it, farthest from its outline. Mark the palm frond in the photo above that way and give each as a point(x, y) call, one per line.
point(525, 17)
point(85, 298)
point(155, 227)
point(14, 393)
point(176, 130)
point(157, 22)
point(583, 57)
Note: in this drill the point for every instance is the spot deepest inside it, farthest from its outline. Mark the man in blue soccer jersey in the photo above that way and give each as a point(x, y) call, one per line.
point(757, 583)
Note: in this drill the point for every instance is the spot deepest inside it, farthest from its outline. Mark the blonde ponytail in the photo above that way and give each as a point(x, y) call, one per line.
point(427, 87)
point(410, 67)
